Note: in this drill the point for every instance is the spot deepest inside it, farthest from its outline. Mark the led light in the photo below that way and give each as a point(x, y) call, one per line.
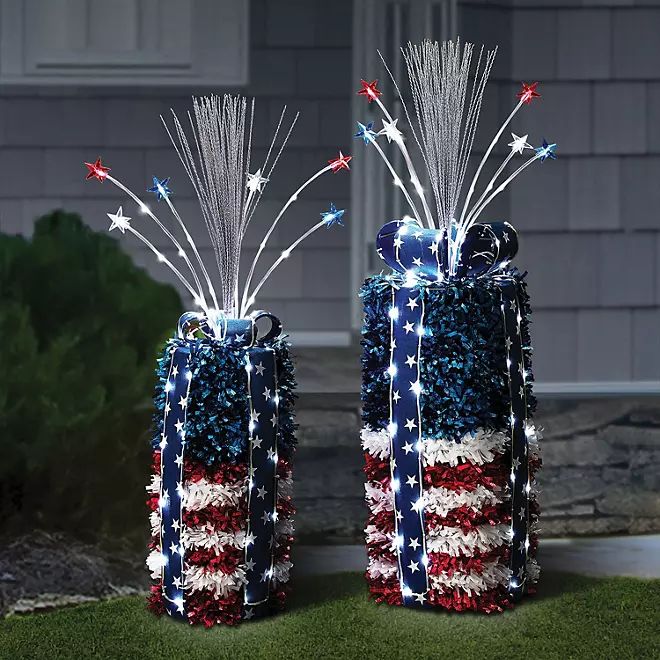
point(508, 363)
point(393, 313)
point(513, 584)
point(408, 218)
point(169, 386)
point(425, 559)
point(399, 541)
point(252, 426)
point(420, 330)
point(144, 208)
point(513, 476)
point(419, 446)
point(162, 559)
point(402, 231)
point(396, 485)
point(276, 399)
point(286, 254)
point(406, 591)
point(160, 257)
point(416, 388)
point(391, 370)
point(391, 428)
point(528, 488)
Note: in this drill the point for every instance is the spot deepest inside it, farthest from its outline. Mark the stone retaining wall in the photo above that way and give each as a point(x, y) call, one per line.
point(601, 470)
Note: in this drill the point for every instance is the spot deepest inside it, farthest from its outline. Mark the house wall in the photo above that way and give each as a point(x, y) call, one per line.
point(300, 55)
point(588, 221)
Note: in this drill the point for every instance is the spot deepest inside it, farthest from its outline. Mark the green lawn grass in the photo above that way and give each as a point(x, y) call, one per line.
point(331, 617)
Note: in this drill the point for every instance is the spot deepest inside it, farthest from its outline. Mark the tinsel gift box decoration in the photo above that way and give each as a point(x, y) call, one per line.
point(220, 493)
point(450, 447)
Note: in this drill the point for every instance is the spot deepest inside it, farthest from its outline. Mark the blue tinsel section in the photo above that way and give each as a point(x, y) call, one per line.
point(218, 408)
point(463, 361)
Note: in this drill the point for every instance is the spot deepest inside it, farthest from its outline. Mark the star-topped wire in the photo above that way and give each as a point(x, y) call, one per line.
point(256, 182)
point(370, 90)
point(340, 163)
point(333, 216)
point(366, 132)
point(160, 188)
point(390, 131)
point(546, 151)
point(519, 144)
point(119, 221)
point(96, 170)
point(528, 93)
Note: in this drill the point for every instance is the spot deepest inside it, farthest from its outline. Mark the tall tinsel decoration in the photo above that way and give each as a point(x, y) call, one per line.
point(450, 447)
point(220, 493)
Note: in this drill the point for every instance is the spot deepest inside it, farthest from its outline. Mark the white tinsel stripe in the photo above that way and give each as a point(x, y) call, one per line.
point(379, 498)
point(199, 578)
point(200, 494)
point(443, 500)
point(452, 540)
point(381, 568)
point(208, 538)
point(374, 535)
point(479, 447)
point(493, 575)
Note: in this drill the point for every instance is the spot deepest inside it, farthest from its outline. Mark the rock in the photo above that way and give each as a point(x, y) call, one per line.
point(644, 526)
point(550, 527)
point(42, 568)
point(325, 428)
point(631, 436)
point(582, 450)
point(574, 510)
point(632, 501)
point(573, 485)
point(581, 416)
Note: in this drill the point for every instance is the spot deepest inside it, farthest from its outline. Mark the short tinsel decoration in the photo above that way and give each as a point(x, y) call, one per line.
point(450, 447)
point(224, 433)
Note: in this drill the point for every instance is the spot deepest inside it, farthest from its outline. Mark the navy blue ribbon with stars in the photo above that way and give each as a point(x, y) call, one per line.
point(422, 253)
point(261, 367)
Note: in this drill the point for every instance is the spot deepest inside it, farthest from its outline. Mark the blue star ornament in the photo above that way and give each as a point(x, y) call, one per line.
point(546, 151)
point(333, 216)
point(366, 132)
point(160, 188)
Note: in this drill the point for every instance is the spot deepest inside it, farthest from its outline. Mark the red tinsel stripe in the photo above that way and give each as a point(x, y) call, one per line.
point(203, 607)
point(225, 519)
point(375, 468)
point(383, 521)
point(226, 561)
point(467, 518)
point(384, 590)
point(466, 476)
point(440, 562)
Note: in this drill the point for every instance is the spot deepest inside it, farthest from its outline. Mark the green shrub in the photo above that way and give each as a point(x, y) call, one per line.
point(80, 326)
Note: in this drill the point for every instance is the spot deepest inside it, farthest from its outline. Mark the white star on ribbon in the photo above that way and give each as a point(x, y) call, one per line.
point(259, 368)
point(411, 480)
point(434, 248)
point(407, 448)
point(398, 242)
point(179, 460)
point(179, 426)
point(183, 402)
point(250, 538)
point(249, 565)
point(410, 424)
point(249, 613)
point(414, 544)
point(273, 420)
point(265, 517)
point(412, 303)
point(413, 566)
point(271, 455)
point(175, 370)
point(396, 396)
point(419, 598)
point(177, 582)
point(261, 493)
point(408, 327)
point(410, 361)
point(266, 393)
point(256, 442)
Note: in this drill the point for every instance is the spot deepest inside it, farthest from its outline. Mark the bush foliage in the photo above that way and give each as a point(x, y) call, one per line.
point(81, 326)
